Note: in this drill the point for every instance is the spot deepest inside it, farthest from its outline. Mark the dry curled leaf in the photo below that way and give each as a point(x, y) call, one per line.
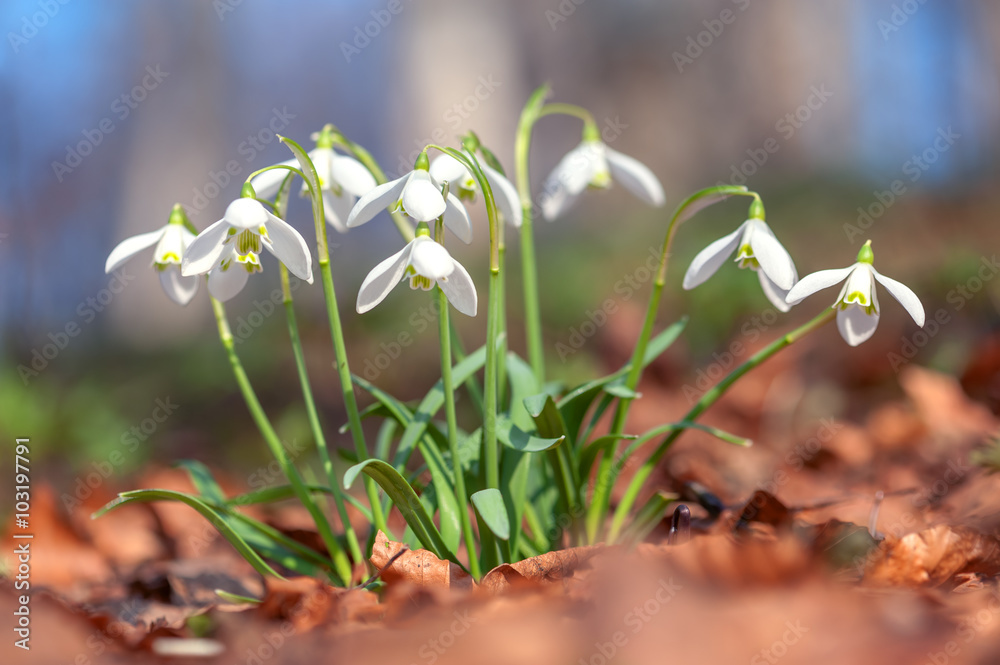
point(397, 563)
point(549, 567)
point(933, 556)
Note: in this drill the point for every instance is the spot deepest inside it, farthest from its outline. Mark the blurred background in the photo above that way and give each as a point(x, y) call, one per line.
point(854, 119)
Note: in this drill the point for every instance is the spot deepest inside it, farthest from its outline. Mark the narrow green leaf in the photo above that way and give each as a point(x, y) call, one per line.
point(517, 439)
point(304, 162)
point(590, 452)
point(203, 480)
point(651, 513)
point(522, 385)
point(490, 506)
point(236, 598)
point(207, 512)
point(406, 501)
point(270, 495)
point(542, 409)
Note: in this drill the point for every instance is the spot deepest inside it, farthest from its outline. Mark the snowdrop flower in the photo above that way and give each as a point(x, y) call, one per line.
point(342, 180)
point(857, 305)
point(425, 262)
point(594, 164)
point(757, 249)
point(171, 242)
point(446, 168)
point(417, 195)
point(231, 248)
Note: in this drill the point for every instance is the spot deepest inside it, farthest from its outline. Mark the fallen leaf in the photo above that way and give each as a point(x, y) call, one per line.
point(550, 567)
point(933, 557)
point(397, 563)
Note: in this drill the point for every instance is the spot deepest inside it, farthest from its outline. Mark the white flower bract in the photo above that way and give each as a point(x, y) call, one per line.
point(172, 242)
point(594, 164)
point(757, 249)
point(426, 263)
point(418, 196)
point(446, 168)
point(342, 180)
point(857, 305)
point(233, 245)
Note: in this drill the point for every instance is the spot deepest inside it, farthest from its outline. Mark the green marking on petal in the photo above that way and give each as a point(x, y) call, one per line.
point(248, 241)
point(601, 180)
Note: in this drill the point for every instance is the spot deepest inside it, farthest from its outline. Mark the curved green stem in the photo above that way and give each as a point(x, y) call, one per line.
point(606, 473)
point(277, 449)
point(707, 400)
point(314, 423)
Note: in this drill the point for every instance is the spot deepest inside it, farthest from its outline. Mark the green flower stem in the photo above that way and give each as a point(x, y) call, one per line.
point(707, 400)
point(606, 473)
point(314, 423)
point(337, 331)
point(369, 163)
point(277, 449)
point(456, 460)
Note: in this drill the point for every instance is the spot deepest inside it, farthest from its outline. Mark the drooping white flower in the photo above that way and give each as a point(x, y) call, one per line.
point(425, 262)
point(594, 164)
point(417, 195)
point(342, 179)
point(172, 241)
point(446, 168)
point(857, 305)
point(757, 249)
point(233, 245)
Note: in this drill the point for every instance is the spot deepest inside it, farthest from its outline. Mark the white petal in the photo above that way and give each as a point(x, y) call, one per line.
point(570, 177)
point(375, 201)
point(636, 177)
point(446, 168)
point(322, 159)
point(204, 251)
point(336, 209)
point(289, 247)
point(266, 185)
point(383, 277)
point(180, 289)
point(708, 260)
point(170, 249)
point(774, 293)
point(461, 291)
point(817, 281)
point(771, 255)
point(456, 219)
point(506, 196)
point(431, 259)
point(855, 324)
point(246, 213)
point(352, 175)
point(861, 280)
point(223, 285)
point(902, 293)
point(422, 199)
point(129, 247)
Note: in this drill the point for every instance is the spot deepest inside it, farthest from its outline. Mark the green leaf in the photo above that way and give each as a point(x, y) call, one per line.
point(662, 342)
point(517, 439)
point(203, 481)
point(700, 200)
point(213, 516)
point(271, 495)
point(590, 452)
point(406, 501)
point(389, 404)
point(542, 409)
point(447, 504)
point(522, 385)
point(432, 403)
point(236, 598)
point(490, 506)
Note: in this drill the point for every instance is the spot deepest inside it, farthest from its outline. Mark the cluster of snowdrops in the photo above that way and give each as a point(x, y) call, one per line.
point(535, 470)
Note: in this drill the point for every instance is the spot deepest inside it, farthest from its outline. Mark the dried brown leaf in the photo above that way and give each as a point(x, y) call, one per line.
point(933, 557)
point(397, 563)
point(550, 567)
